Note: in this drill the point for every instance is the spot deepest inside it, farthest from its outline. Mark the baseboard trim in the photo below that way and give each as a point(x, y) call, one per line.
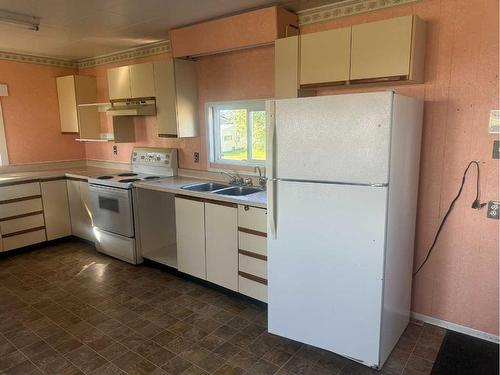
point(455, 327)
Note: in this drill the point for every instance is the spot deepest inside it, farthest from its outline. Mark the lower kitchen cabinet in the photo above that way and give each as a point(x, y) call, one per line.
point(79, 208)
point(56, 209)
point(190, 224)
point(221, 241)
point(21, 215)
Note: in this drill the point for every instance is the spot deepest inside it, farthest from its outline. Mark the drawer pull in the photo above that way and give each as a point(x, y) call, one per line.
point(7, 201)
point(251, 231)
point(252, 254)
point(21, 216)
point(23, 232)
point(252, 277)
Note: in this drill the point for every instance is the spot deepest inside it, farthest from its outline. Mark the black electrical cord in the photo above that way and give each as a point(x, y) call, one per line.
point(476, 205)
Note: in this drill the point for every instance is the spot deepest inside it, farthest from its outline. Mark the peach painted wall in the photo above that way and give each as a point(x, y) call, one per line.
point(31, 114)
point(246, 74)
point(460, 282)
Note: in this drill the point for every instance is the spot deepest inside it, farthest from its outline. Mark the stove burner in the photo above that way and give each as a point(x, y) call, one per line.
point(127, 174)
point(104, 177)
point(151, 177)
point(129, 180)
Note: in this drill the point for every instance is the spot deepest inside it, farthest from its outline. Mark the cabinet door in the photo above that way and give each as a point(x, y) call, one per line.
point(66, 96)
point(142, 80)
point(166, 106)
point(56, 209)
point(75, 207)
point(221, 239)
point(381, 49)
point(190, 226)
point(186, 93)
point(119, 83)
point(286, 67)
point(325, 56)
point(88, 232)
point(79, 208)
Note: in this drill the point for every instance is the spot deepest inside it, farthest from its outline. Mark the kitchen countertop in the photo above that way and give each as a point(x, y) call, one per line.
point(83, 173)
point(168, 184)
point(174, 184)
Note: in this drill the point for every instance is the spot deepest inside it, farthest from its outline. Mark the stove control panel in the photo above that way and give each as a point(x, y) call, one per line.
point(156, 158)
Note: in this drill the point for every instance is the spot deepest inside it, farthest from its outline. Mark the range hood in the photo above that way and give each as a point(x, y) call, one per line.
point(133, 107)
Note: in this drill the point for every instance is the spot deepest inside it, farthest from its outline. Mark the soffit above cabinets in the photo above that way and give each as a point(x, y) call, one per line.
point(75, 29)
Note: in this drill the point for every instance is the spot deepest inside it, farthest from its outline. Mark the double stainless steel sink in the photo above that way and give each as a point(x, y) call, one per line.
point(222, 189)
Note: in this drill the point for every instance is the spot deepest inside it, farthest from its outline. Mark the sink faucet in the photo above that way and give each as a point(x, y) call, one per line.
point(262, 179)
point(234, 179)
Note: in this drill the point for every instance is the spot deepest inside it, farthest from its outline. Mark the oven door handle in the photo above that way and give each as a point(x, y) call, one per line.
point(108, 189)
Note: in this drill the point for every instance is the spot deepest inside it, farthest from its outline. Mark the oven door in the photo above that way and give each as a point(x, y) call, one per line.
point(112, 209)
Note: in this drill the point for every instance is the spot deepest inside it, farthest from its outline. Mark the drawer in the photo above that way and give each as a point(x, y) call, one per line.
point(252, 266)
point(19, 191)
point(20, 207)
point(252, 218)
point(252, 289)
point(25, 239)
point(253, 243)
point(22, 223)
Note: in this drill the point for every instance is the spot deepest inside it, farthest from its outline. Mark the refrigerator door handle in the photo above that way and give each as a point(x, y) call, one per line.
point(271, 208)
point(271, 142)
point(270, 166)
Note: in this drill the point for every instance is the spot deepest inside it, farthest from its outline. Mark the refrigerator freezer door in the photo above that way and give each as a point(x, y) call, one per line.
point(325, 267)
point(341, 138)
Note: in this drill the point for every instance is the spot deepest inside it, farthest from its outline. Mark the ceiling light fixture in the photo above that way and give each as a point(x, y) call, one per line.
point(21, 20)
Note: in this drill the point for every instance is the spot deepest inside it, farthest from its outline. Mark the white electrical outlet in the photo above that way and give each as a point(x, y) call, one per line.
point(494, 124)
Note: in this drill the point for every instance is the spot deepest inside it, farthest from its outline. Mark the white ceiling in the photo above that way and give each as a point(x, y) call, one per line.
point(76, 29)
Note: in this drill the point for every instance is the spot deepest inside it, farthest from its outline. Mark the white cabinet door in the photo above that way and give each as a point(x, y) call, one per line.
point(221, 239)
point(79, 207)
point(190, 225)
point(119, 83)
point(56, 209)
point(142, 83)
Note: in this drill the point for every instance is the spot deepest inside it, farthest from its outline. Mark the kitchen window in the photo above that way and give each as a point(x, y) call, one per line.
point(237, 132)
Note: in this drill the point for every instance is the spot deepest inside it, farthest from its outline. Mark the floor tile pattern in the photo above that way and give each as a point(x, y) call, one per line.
point(66, 309)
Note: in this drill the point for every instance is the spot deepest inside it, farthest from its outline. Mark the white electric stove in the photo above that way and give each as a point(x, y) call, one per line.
point(112, 201)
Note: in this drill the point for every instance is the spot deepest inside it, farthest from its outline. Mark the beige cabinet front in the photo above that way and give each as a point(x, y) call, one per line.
point(382, 49)
point(119, 83)
point(142, 83)
point(190, 226)
point(286, 67)
point(176, 98)
point(79, 208)
point(56, 209)
point(325, 56)
point(221, 239)
point(72, 92)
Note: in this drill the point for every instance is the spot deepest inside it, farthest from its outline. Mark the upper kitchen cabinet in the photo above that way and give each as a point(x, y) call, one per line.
point(286, 67)
point(176, 98)
point(131, 81)
point(119, 83)
point(391, 49)
point(325, 56)
point(142, 83)
point(73, 92)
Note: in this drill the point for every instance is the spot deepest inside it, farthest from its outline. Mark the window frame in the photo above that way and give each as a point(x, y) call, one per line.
point(213, 136)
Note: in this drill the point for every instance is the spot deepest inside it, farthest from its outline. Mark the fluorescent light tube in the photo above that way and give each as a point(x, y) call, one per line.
point(22, 20)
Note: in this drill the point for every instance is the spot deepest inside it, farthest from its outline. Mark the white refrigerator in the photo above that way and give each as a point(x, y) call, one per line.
point(342, 194)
